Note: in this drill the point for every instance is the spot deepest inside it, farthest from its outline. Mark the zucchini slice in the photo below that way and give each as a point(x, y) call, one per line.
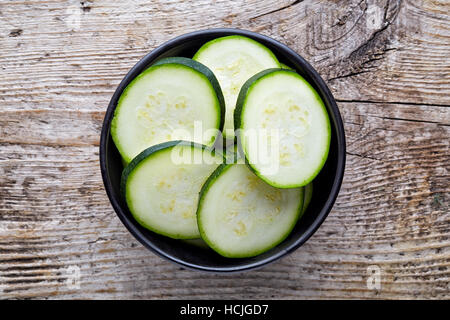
point(234, 59)
point(161, 186)
point(290, 123)
point(164, 102)
point(239, 215)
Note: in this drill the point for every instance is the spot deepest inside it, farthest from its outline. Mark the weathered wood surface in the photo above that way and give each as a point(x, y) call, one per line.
point(388, 65)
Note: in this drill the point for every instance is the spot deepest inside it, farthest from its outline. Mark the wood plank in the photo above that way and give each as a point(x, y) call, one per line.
point(382, 217)
point(402, 56)
point(388, 65)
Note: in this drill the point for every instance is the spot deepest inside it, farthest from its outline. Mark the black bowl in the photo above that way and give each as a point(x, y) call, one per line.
point(326, 184)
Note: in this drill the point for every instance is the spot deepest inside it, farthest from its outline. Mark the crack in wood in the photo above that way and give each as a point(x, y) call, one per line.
point(362, 156)
point(349, 75)
point(369, 54)
point(276, 10)
point(15, 33)
point(97, 240)
point(410, 120)
point(393, 102)
point(363, 48)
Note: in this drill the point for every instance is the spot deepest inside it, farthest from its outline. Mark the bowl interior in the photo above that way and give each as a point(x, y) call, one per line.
point(326, 184)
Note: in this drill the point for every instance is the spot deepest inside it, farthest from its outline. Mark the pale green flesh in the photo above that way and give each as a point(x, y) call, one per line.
point(234, 59)
point(242, 216)
point(162, 104)
point(162, 195)
point(285, 111)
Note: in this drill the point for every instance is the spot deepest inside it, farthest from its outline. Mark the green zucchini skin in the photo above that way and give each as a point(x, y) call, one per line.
point(243, 95)
point(221, 169)
point(209, 182)
point(238, 37)
point(214, 44)
point(239, 108)
point(216, 173)
point(152, 150)
point(144, 155)
point(238, 123)
point(200, 67)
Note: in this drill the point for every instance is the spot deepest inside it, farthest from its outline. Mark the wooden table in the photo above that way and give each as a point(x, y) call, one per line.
point(386, 62)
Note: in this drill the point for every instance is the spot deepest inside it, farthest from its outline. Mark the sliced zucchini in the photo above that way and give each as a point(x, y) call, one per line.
point(290, 123)
point(163, 103)
point(308, 196)
point(161, 186)
point(234, 59)
point(232, 155)
point(239, 215)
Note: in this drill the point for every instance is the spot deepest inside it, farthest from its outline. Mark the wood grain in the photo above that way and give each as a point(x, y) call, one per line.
point(388, 65)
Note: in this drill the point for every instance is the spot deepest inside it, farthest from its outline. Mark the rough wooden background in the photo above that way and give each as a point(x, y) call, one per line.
point(388, 65)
